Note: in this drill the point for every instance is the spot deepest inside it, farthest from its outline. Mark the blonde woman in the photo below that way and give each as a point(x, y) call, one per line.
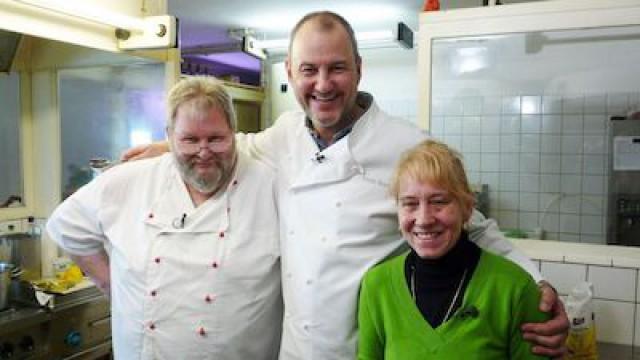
point(445, 298)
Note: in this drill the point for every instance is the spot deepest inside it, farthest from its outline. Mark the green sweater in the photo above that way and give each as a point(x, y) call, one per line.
point(391, 326)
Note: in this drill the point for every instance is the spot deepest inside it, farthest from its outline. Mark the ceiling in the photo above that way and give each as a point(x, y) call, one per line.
point(207, 22)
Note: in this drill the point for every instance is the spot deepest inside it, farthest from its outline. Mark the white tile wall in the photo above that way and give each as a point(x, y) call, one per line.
point(531, 104)
point(636, 338)
point(552, 104)
point(623, 287)
point(510, 124)
point(511, 105)
point(638, 290)
point(616, 293)
point(614, 321)
point(564, 276)
point(572, 124)
point(541, 145)
point(572, 104)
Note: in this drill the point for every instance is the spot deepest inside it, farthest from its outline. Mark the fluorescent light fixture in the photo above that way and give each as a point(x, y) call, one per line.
point(403, 36)
point(132, 32)
point(250, 46)
point(95, 14)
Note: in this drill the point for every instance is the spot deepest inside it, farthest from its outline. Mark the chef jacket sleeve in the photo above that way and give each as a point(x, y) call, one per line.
point(74, 224)
point(487, 235)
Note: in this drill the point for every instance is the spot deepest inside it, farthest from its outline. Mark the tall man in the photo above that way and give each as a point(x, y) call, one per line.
point(192, 240)
point(334, 161)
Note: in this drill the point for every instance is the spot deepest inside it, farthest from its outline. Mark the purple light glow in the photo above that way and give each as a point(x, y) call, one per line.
point(235, 59)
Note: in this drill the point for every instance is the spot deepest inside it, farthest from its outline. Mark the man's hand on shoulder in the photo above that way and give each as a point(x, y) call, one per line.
point(548, 338)
point(145, 151)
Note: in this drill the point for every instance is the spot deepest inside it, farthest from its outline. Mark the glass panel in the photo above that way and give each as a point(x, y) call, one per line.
point(11, 184)
point(531, 115)
point(105, 110)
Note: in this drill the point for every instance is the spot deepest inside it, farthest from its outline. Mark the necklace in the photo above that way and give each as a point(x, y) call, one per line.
point(414, 295)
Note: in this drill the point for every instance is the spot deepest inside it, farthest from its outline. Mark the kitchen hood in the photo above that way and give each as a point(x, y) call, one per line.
point(9, 42)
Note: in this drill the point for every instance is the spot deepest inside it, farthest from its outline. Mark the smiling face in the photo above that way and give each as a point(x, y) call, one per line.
point(433, 196)
point(324, 73)
point(430, 218)
point(203, 147)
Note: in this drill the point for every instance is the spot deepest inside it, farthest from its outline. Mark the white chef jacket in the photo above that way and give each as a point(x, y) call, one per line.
point(205, 288)
point(337, 221)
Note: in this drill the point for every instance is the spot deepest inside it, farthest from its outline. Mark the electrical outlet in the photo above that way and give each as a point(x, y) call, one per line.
point(10, 227)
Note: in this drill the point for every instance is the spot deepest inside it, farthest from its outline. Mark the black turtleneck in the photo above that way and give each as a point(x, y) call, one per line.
point(436, 280)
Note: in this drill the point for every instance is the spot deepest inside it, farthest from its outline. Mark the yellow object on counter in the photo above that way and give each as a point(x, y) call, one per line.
point(72, 274)
point(581, 342)
point(64, 280)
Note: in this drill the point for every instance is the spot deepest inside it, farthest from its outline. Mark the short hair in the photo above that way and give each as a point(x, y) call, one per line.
point(435, 163)
point(326, 21)
point(204, 93)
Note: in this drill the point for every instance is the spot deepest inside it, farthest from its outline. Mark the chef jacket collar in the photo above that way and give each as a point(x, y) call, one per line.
point(363, 99)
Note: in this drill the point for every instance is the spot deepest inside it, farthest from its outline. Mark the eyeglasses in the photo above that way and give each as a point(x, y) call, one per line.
point(193, 146)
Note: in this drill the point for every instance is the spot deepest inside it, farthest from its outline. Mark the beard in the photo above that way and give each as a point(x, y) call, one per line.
point(217, 175)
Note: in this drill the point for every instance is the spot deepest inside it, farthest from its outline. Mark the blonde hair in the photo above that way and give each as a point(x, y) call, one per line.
point(202, 93)
point(436, 163)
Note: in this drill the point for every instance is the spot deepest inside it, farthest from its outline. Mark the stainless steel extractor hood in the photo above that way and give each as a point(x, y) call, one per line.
point(9, 42)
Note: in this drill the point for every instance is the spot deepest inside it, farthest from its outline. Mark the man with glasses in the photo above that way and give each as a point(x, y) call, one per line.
point(192, 271)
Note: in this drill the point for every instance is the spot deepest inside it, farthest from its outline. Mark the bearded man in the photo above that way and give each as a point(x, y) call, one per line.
point(186, 244)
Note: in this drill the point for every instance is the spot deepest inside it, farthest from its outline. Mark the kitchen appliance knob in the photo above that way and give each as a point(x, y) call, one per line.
point(73, 338)
point(27, 344)
point(6, 350)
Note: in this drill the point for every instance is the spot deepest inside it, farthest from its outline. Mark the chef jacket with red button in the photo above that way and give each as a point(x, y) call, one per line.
point(186, 282)
point(337, 221)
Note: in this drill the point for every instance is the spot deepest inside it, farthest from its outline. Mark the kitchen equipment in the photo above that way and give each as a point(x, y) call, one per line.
point(5, 284)
point(76, 326)
point(23, 251)
point(623, 218)
point(481, 193)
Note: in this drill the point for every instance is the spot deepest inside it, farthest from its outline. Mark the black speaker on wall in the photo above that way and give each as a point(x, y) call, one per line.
point(405, 36)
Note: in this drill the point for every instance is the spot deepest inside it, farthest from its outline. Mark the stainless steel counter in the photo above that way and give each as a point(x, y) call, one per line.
point(16, 319)
point(74, 326)
point(608, 351)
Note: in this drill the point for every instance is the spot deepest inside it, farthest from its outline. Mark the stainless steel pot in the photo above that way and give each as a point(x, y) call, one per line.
point(5, 284)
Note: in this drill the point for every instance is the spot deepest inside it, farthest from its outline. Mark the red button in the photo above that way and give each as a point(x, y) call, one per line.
point(201, 331)
point(222, 234)
point(157, 260)
point(153, 293)
point(214, 265)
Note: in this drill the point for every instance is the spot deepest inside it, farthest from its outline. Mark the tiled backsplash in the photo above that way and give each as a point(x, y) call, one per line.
point(545, 158)
point(614, 273)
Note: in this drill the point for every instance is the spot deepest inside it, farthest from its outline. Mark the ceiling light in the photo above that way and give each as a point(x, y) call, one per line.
point(402, 36)
point(132, 32)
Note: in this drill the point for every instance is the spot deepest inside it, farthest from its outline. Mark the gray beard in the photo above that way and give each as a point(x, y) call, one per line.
point(201, 184)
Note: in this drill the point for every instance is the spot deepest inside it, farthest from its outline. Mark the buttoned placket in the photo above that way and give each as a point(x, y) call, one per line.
point(209, 298)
